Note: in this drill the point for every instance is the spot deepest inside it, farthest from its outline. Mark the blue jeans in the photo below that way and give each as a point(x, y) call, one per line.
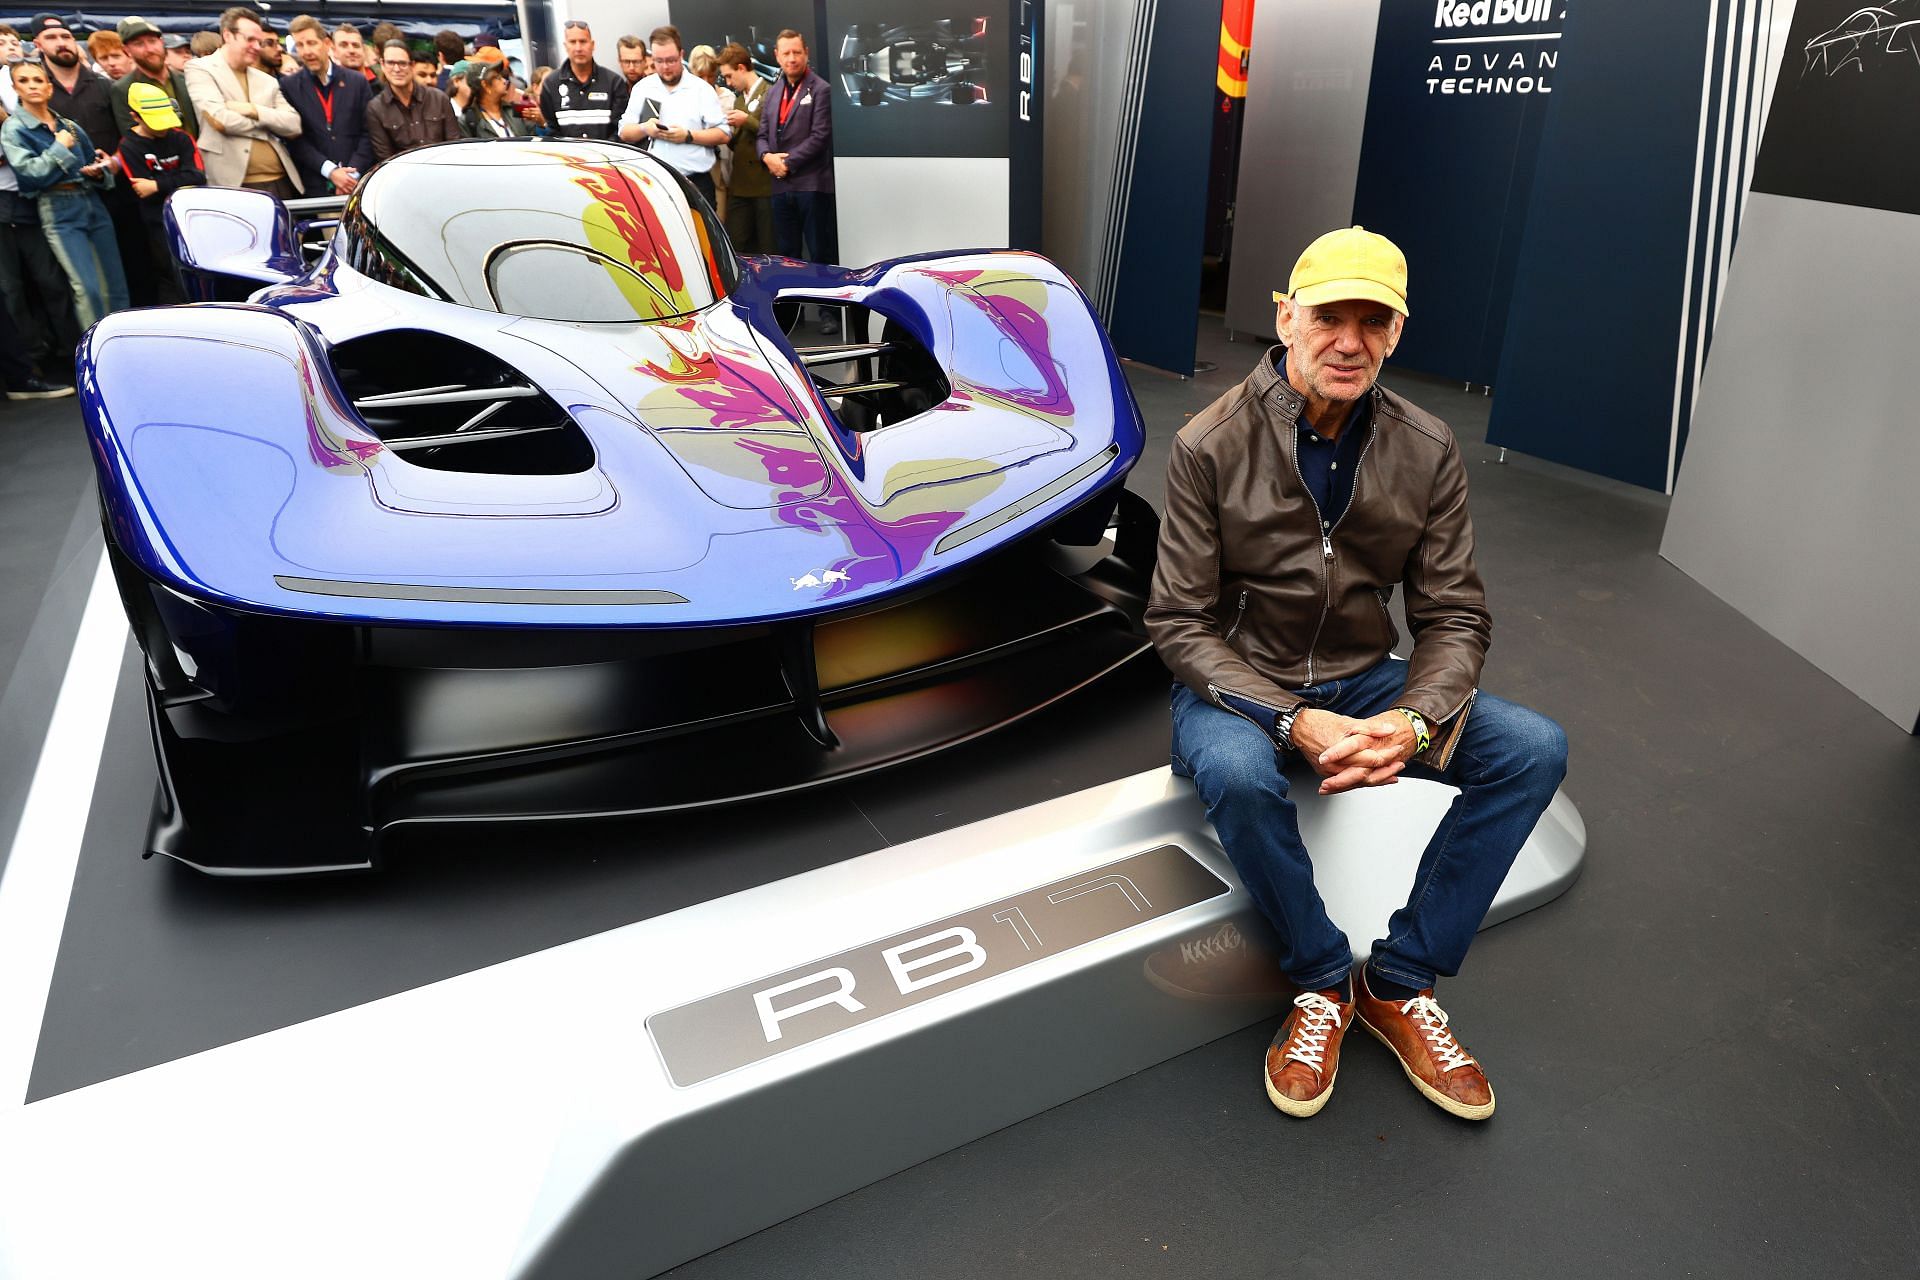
point(1507, 765)
point(81, 236)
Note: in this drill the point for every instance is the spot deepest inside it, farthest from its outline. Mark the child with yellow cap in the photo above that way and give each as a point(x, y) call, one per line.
point(158, 157)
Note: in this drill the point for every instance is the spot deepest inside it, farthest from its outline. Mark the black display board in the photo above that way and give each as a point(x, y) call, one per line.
point(917, 79)
point(1845, 123)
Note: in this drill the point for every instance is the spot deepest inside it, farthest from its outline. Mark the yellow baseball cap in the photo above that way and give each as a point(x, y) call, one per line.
point(151, 103)
point(1347, 264)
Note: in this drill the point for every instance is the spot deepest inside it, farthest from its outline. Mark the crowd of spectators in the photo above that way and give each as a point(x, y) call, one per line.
point(96, 135)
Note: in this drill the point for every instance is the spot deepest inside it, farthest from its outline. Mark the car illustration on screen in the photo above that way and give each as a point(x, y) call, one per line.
point(944, 62)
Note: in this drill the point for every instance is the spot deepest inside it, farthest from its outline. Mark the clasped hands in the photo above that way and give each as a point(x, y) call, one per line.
point(1349, 753)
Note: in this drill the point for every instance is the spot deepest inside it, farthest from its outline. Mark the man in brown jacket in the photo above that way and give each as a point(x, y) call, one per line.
point(1296, 503)
point(405, 115)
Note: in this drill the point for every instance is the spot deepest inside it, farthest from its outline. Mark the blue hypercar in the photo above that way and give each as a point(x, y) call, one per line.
point(521, 502)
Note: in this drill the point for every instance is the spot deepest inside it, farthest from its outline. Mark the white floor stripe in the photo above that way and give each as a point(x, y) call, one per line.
point(38, 879)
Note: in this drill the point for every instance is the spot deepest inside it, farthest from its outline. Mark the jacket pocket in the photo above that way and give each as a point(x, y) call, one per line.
point(1239, 616)
point(1386, 620)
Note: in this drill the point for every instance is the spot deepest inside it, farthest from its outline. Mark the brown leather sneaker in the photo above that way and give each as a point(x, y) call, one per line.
point(1416, 1030)
point(1304, 1057)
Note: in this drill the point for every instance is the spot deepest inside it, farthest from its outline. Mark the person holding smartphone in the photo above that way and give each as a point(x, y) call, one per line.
point(63, 172)
point(678, 116)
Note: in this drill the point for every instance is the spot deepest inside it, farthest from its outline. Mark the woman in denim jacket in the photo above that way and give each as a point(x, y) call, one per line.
point(59, 169)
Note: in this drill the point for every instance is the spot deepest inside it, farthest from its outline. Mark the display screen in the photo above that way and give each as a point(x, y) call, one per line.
point(918, 77)
point(1844, 125)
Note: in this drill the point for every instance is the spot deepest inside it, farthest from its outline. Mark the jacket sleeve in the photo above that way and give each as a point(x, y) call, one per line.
point(302, 147)
point(762, 142)
point(84, 145)
point(449, 123)
point(715, 117)
point(362, 158)
point(377, 136)
point(122, 112)
point(550, 100)
point(1186, 587)
point(1446, 602)
point(277, 115)
point(812, 149)
point(210, 104)
point(40, 169)
point(189, 118)
point(191, 173)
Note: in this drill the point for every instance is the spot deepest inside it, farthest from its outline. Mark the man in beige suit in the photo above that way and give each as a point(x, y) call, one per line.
point(242, 113)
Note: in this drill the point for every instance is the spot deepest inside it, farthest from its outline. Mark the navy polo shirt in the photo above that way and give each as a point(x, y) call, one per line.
point(1326, 465)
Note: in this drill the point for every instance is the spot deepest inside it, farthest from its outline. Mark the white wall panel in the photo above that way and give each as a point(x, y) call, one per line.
point(894, 205)
point(1796, 502)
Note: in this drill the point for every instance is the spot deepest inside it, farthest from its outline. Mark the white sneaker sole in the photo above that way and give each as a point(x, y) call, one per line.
point(1452, 1106)
point(1295, 1106)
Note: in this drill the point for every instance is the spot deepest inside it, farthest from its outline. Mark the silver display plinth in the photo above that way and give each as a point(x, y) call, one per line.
point(622, 1103)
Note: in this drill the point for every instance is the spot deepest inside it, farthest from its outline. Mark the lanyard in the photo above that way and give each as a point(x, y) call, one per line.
point(787, 99)
point(326, 103)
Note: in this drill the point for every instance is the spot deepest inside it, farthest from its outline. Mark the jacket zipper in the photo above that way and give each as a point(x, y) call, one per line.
point(1215, 691)
point(1458, 718)
point(1326, 533)
point(1239, 616)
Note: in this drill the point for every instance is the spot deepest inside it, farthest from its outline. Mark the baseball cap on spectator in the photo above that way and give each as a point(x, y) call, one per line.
point(47, 22)
point(131, 27)
point(173, 40)
point(155, 109)
point(488, 53)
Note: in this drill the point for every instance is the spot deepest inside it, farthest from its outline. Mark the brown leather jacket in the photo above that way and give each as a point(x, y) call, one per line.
point(1249, 601)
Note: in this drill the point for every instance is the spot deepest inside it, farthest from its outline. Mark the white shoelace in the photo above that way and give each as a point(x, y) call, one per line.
point(1432, 1021)
point(1318, 1016)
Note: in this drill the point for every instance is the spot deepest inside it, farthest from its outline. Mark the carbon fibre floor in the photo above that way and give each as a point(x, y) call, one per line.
point(1703, 1051)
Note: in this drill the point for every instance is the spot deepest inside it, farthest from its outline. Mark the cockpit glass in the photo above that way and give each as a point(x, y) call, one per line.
point(583, 233)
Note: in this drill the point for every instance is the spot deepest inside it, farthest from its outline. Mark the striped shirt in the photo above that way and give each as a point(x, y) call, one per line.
point(589, 110)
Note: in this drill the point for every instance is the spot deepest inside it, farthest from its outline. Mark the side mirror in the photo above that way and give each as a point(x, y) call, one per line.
point(230, 242)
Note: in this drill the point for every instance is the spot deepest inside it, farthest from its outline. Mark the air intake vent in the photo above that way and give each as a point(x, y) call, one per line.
point(872, 382)
point(443, 404)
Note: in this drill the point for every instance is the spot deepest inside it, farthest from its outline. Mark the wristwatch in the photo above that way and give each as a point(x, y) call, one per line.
point(1283, 727)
